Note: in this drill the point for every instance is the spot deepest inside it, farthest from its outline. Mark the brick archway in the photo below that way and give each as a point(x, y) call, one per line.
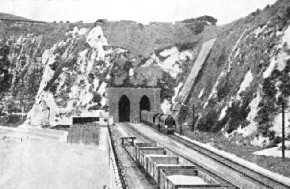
point(139, 98)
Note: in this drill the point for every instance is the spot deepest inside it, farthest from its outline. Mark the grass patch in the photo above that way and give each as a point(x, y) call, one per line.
point(12, 120)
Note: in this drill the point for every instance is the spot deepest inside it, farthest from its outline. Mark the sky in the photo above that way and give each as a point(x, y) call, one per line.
point(143, 11)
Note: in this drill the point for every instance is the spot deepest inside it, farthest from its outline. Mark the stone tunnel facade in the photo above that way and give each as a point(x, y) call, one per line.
point(134, 96)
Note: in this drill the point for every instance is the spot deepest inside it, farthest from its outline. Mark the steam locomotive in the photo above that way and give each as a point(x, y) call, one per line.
point(164, 123)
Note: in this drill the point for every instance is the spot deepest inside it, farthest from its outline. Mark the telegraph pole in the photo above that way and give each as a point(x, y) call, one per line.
point(283, 130)
point(192, 127)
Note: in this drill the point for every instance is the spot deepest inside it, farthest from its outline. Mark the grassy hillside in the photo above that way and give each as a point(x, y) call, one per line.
point(10, 17)
point(144, 39)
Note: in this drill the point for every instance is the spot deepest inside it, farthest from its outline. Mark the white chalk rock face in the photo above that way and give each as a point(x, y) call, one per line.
point(170, 63)
point(96, 38)
point(74, 91)
point(38, 116)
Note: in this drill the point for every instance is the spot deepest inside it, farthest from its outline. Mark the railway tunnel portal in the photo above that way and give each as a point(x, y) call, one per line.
point(126, 104)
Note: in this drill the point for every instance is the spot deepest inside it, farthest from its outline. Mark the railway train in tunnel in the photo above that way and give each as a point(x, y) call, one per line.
point(164, 123)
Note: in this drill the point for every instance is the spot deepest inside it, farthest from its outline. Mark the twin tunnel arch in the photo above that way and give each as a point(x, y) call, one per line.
point(126, 104)
point(124, 107)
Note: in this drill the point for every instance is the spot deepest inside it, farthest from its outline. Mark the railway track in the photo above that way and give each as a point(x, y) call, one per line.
point(227, 184)
point(263, 181)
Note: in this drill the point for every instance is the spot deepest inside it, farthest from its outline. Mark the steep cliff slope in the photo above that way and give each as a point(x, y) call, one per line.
point(245, 78)
point(22, 45)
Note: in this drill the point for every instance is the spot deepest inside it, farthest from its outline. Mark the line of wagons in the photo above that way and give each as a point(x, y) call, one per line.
point(170, 172)
point(164, 123)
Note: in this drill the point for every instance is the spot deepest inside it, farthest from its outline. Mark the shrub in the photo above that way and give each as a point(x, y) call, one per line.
point(53, 66)
point(53, 88)
point(238, 114)
point(265, 115)
point(183, 112)
point(127, 66)
point(223, 91)
point(106, 108)
point(220, 124)
point(205, 19)
point(185, 46)
point(269, 88)
point(13, 119)
point(95, 107)
point(222, 58)
point(285, 81)
point(257, 12)
point(207, 122)
point(287, 13)
point(212, 102)
point(12, 106)
point(167, 84)
point(196, 28)
point(91, 78)
point(141, 26)
point(96, 97)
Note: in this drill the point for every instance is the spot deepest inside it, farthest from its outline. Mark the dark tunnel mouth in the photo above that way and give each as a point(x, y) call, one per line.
point(124, 109)
point(144, 104)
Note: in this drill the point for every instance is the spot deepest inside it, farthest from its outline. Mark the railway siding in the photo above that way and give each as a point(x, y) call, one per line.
point(132, 176)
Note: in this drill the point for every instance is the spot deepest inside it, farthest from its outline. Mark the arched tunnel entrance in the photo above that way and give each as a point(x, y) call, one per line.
point(144, 104)
point(125, 103)
point(124, 109)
